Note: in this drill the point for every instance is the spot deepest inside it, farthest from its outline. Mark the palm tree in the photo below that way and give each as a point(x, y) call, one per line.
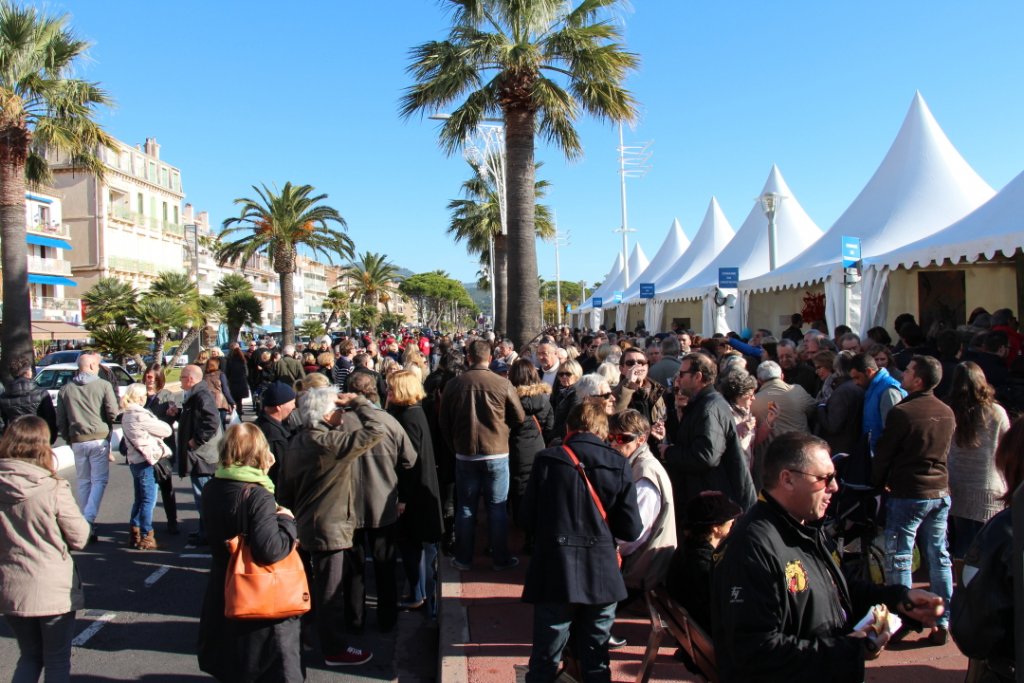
point(337, 302)
point(110, 301)
point(312, 329)
point(160, 315)
point(179, 288)
point(373, 280)
point(477, 219)
point(508, 58)
point(241, 307)
point(120, 342)
point(275, 224)
point(41, 109)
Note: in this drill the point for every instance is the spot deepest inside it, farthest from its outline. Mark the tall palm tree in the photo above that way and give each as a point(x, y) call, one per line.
point(160, 315)
point(537, 64)
point(276, 224)
point(337, 302)
point(41, 108)
point(241, 307)
point(372, 280)
point(110, 301)
point(178, 287)
point(477, 218)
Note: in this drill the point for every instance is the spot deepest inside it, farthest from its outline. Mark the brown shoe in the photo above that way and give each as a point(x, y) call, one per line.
point(134, 536)
point(148, 541)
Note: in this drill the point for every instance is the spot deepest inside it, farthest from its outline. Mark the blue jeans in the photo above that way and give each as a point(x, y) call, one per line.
point(198, 482)
point(92, 466)
point(418, 561)
point(553, 625)
point(489, 478)
point(44, 643)
point(907, 519)
point(145, 497)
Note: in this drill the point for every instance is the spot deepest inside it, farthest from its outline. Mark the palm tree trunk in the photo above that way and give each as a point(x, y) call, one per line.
point(523, 323)
point(284, 266)
point(500, 284)
point(184, 344)
point(159, 341)
point(16, 337)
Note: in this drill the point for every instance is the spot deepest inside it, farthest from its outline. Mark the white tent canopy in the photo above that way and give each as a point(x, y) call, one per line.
point(748, 249)
point(675, 245)
point(602, 290)
point(637, 264)
point(714, 234)
point(995, 226)
point(922, 185)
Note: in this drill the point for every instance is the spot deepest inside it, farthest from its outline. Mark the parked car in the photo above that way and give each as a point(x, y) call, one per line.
point(58, 357)
point(54, 376)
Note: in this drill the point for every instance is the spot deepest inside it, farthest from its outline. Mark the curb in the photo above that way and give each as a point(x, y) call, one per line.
point(453, 625)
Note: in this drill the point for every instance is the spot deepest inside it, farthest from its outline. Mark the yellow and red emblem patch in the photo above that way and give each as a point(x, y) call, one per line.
point(796, 577)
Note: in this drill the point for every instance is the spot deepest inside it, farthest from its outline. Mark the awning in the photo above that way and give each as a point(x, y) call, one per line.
point(47, 241)
point(48, 330)
point(272, 329)
point(51, 280)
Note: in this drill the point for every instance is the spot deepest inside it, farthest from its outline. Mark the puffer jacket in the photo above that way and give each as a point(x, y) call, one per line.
point(145, 433)
point(23, 397)
point(39, 525)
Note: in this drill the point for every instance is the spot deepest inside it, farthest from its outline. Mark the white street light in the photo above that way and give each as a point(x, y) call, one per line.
point(770, 202)
point(632, 164)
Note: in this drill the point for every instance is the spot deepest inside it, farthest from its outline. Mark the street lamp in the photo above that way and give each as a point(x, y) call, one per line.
point(632, 164)
point(559, 240)
point(770, 205)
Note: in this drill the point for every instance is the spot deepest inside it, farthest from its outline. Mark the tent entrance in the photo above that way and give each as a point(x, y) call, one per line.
point(942, 298)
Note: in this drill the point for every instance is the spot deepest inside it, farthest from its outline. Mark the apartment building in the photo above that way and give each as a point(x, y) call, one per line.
point(49, 270)
point(127, 224)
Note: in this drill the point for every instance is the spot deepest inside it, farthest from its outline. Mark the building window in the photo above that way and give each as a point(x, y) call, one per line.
point(164, 179)
point(151, 175)
point(165, 212)
point(141, 206)
point(176, 215)
point(175, 181)
point(140, 166)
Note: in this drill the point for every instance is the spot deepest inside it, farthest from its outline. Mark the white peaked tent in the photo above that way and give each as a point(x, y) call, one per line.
point(675, 244)
point(748, 251)
point(995, 226)
point(638, 263)
point(714, 234)
point(921, 186)
point(586, 310)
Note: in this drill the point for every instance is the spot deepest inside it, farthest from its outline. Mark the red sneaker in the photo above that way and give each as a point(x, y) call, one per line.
point(352, 656)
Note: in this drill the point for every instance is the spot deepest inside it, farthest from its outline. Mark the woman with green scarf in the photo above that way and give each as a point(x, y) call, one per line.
point(241, 497)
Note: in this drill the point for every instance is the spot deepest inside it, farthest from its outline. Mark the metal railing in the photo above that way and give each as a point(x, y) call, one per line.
point(48, 303)
point(51, 266)
point(50, 229)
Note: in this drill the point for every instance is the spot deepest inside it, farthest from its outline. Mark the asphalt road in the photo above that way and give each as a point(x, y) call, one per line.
point(142, 608)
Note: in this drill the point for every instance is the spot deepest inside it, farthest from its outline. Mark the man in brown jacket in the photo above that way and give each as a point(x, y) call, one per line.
point(910, 462)
point(478, 411)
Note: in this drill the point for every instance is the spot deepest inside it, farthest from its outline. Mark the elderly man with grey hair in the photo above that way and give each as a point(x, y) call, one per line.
point(794, 404)
point(288, 369)
point(547, 362)
point(200, 431)
point(315, 481)
point(794, 370)
point(86, 408)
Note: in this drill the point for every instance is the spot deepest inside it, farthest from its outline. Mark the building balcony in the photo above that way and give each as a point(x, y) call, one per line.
point(128, 265)
point(58, 230)
point(175, 229)
point(49, 266)
point(122, 214)
point(52, 306)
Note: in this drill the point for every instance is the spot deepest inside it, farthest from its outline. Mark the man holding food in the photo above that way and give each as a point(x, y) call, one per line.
point(781, 608)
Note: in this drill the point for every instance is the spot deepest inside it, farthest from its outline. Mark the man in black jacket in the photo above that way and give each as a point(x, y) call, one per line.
point(781, 608)
point(22, 397)
point(574, 580)
point(199, 435)
point(277, 404)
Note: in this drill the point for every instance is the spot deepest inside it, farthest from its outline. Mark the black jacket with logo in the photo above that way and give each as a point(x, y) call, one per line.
point(781, 608)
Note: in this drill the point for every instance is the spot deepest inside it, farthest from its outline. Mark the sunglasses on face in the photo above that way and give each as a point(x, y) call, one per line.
point(563, 374)
point(605, 396)
point(827, 478)
point(620, 439)
point(631, 363)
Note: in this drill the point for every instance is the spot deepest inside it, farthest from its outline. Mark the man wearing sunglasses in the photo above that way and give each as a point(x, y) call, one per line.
point(781, 608)
point(636, 392)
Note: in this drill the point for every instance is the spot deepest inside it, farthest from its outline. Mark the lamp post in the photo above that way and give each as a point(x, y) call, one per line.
point(770, 205)
point(632, 164)
point(559, 240)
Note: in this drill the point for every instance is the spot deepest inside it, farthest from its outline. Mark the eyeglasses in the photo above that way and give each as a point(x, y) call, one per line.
point(605, 396)
point(688, 372)
point(563, 374)
point(622, 438)
point(827, 478)
point(631, 363)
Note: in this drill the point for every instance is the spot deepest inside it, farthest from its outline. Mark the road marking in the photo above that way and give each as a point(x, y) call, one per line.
point(93, 628)
point(196, 556)
point(155, 576)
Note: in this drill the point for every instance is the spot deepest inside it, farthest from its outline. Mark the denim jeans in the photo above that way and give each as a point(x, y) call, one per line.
point(92, 466)
point(198, 482)
point(43, 643)
point(473, 479)
point(589, 627)
point(907, 519)
point(418, 562)
point(145, 496)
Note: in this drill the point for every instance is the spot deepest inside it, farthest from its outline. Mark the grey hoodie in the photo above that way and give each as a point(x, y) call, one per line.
point(85, 409)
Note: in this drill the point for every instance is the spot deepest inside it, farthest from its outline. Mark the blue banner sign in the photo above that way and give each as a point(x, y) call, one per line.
point(598, 302)
point(646, 290)
point(851, 251)
point(617, 297)
point(728, 278)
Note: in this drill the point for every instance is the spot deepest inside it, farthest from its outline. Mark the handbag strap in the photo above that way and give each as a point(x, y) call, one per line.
point(586, 480)
point(243, 517)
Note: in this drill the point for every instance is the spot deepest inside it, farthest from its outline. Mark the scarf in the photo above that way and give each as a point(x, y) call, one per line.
point(245, 473)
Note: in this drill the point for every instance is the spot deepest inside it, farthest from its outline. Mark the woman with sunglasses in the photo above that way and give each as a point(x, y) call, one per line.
point(596, 386)
point(563, 396)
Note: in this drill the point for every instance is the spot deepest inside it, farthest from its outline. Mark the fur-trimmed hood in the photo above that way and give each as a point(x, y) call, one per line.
point(533, 389)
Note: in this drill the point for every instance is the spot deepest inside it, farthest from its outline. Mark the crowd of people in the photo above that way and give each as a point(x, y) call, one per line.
point(627, 460)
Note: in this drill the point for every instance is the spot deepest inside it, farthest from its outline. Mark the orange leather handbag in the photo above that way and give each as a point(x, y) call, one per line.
point(255, 591)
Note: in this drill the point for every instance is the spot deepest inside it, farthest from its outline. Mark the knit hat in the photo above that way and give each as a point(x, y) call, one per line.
point(710, 508)
point(499, 366)
point(277, 394)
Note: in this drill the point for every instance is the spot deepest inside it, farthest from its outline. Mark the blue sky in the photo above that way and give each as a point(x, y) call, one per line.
point(240, 93)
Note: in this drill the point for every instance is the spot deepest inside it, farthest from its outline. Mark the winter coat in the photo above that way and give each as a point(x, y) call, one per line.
point(39, 525)
point(145, 434)
point(237, 373)
point(564, 400)
point(315, 478)
point(781, 607)
point(86, 407)
point(158, 404)
point(839, 418)
point(381, 477)
point(198, 421)
point(422, 519)
point(249, 650)
point(647, 399)
point(910, 459)
point(528, 438)
point(277, 436)
point(288, 370)
point(574, 553)
point(22, 396)
point(478, 411)
point(794, 403)
point(706, 454)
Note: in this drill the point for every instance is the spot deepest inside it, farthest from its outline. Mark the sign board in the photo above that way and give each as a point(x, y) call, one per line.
point(728, 278)
point(646, 290)
point(851, 251)
point(598, 302)
point(617, 297)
